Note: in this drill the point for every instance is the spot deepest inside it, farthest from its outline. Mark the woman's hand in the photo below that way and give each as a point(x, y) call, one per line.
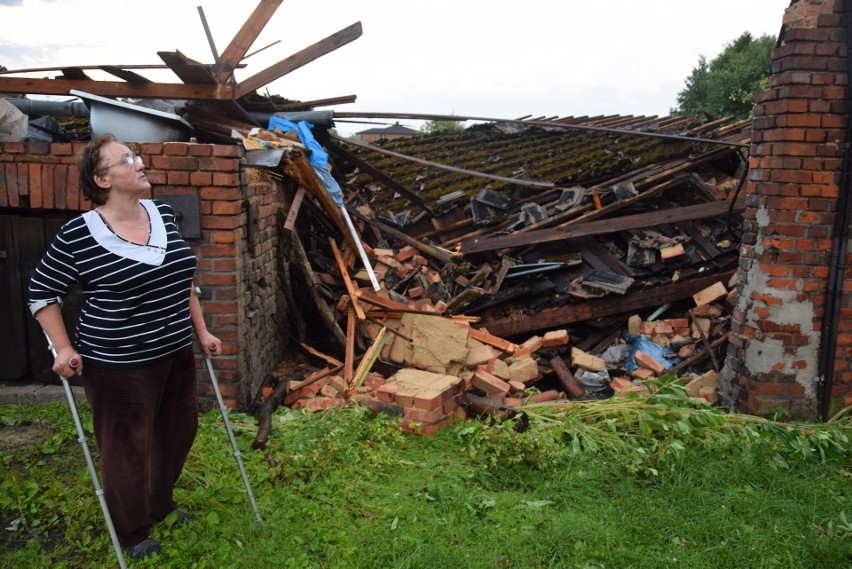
point(68, 362)
point(211, 344)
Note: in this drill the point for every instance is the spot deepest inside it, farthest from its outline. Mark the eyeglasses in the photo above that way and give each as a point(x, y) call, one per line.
point(128, 160)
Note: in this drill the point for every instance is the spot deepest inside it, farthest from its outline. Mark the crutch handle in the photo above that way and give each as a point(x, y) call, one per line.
point(74, 363)
point(212, 346)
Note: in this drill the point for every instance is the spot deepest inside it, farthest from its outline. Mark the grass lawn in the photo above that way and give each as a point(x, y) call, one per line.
point(635, 482)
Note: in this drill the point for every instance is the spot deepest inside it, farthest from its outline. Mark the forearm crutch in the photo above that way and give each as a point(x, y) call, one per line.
point(227, 422)
point(84, 442)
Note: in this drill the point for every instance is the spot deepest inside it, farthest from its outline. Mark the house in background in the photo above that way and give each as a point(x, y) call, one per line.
point(387, 133)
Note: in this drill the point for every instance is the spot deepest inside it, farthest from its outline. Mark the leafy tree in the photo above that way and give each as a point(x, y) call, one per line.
point(431, 127)
point(726, 86)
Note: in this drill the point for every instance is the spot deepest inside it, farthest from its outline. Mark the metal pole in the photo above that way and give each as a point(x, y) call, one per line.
point(224, 412)
point(81, 434)
point(361, 252)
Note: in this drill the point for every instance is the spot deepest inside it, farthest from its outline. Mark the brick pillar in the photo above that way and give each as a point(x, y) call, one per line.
point(795, 162)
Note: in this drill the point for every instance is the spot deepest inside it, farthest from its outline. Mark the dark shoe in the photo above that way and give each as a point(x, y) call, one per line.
point(144, 548)
point(176, 518)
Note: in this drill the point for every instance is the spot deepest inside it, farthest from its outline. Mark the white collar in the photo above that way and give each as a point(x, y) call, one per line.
point(151, 254)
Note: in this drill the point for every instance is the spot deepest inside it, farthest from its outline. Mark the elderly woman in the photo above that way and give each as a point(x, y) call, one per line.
point(134, 336)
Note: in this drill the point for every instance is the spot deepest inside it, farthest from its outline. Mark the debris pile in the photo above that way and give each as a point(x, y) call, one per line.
point(475, 271)
point(522, 293)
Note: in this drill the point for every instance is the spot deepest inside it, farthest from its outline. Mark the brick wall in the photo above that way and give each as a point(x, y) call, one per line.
point(794, 183)
point(237, 250)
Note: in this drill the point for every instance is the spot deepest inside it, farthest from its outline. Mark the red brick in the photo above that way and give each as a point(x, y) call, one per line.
point(227, 208)
point(549, 395)
point(225, 179)
point(488, 383)
point(429, 401)
point(319, 403)
point(425, 429)
point(423, 416)
point(177, 178)
point(34, 182)
point(170, 163)
point(48, 195)
point(176, 148)
point(60, 183)
point(200, 179)
point(648, 362)
point(623, 386)
point(200, 150)
point(406, 253)
point(328, 391)
point(555, 338)
point(227, 150)
point(374, 381)
point(449, 405)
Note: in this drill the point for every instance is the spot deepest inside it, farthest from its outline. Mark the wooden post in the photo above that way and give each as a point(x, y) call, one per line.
point(565, 376)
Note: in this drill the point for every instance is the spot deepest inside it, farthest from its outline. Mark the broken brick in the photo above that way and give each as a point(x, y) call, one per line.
point(319, 403)
point(710, 294)
point(555, 338)
point(586, 361)
point(646, 361)
point(488, 383)
point(524, 370)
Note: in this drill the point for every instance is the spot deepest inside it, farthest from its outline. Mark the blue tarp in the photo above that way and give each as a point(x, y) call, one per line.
point(318, 157)
point(638, 342)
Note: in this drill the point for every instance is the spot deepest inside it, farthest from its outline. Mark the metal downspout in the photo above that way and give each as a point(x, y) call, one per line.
point(839, 246)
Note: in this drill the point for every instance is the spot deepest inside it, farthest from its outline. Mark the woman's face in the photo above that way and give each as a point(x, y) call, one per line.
point(121, 171)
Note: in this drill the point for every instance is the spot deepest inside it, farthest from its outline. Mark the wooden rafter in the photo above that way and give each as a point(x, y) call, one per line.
point(242, 42)
point(24, 85)
point(297, 60)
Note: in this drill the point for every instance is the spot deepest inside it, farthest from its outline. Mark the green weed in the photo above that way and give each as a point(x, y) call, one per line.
point(656, 481)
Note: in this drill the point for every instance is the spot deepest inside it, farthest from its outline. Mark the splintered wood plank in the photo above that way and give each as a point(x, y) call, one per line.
point(116, 88)
point(299, 59)
point(603, 226)
point(600, 257)
point(74, 74)
point(188, 70)
point(492, 340)
point(297, 167)
point(293, 213)
point(558, 317)
point(369, 359)
point(244, 39)
point(710, 250)
point(349, 351)
point(328, 101)
point(344, 272)
point(124, 74)
point(320, 355)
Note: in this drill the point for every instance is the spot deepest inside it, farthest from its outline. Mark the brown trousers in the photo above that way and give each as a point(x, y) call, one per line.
point(145, 423)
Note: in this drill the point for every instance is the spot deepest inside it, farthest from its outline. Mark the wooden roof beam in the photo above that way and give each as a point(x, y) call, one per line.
point(239, 46)
point(298, 59)
point(117, 89)
point(572, 313)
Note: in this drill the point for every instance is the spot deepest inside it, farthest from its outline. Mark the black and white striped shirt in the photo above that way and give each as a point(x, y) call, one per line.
point(135, 297)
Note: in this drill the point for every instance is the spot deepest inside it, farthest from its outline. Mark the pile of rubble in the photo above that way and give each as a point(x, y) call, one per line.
point(484, 297)
point(430, 368)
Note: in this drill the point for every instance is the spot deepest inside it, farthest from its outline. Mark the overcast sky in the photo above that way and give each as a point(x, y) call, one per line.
point(486, 58)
